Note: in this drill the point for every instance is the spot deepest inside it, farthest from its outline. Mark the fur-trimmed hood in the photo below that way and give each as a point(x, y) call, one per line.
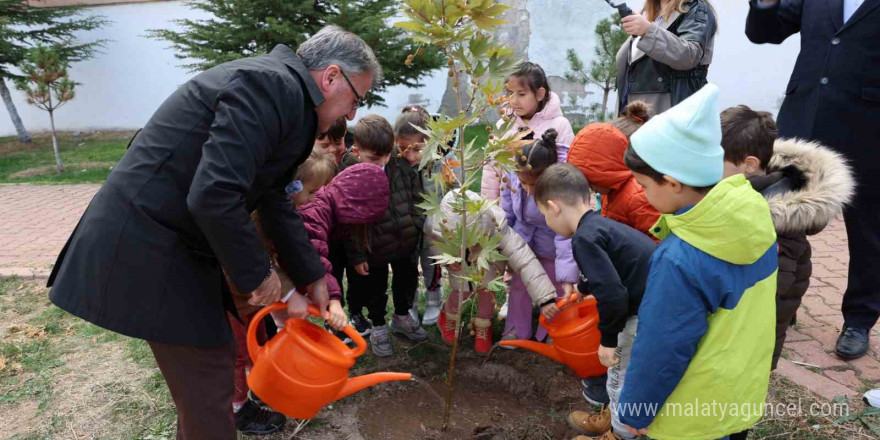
point(807, 185)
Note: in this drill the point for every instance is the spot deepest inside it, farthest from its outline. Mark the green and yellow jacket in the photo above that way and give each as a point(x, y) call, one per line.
point(701, 359)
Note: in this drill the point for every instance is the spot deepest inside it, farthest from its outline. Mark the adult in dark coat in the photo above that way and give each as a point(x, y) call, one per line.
point(147, 257)
point(834, 97)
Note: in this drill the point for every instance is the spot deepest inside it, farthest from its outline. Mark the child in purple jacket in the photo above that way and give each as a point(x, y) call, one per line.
point(553, 250)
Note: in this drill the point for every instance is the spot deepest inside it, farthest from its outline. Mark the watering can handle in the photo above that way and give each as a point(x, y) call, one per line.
point(254, 346)
point(560, 303)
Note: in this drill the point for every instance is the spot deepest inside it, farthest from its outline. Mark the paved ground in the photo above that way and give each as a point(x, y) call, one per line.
point(36, 220)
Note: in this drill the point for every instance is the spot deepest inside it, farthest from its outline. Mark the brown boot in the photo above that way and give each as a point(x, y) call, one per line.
point(591, 424)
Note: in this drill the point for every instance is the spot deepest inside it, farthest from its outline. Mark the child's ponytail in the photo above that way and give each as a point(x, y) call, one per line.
point(634, 116)
point(540, 154)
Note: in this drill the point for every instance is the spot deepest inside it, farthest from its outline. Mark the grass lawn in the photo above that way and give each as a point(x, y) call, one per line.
point(87, 158)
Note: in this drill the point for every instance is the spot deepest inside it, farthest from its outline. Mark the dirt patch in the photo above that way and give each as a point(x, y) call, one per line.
point(52, 170)
point(19, 419)
point(91, 390)
point(492, 401)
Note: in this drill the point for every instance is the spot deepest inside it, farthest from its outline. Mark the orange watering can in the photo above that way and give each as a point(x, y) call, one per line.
point(304, 367)
point(575, 336)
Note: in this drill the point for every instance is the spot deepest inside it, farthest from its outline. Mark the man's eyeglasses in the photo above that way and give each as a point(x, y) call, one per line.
point(361, 102)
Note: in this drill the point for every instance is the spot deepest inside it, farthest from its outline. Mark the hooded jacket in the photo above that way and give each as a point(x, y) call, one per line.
point(597, 151)
point(672, 59)
point(550, 117)
point(399, 231)
point(520, 257)
point(526, 219)
point(358, 195)
point(706, 321)
point(806, 186)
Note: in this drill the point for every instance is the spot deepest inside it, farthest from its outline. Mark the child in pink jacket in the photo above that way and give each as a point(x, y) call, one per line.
point(535, 108)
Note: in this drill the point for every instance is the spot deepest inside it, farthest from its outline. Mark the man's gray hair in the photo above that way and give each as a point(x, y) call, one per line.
point(334, 45)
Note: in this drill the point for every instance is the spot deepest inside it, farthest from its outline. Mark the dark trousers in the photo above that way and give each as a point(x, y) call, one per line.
point(338, 260)
point(861, 302)
point(201, 381)
point(371, 291)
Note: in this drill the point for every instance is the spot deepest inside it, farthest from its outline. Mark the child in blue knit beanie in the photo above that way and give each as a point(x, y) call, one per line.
point(700, 363)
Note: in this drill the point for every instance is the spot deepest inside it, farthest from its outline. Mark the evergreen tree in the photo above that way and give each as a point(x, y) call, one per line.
point(603, 69)
point(47, 85)
point(247, 28)
point(23, 26)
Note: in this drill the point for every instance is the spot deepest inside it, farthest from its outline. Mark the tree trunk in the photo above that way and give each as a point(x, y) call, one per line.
point(13, 113)
point(607, 91)
point(55, 143)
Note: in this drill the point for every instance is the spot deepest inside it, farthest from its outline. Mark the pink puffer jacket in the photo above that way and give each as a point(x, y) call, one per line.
point(550, 117)
point(357, 195)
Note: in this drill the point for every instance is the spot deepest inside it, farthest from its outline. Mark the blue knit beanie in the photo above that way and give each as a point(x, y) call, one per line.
point(685, 141)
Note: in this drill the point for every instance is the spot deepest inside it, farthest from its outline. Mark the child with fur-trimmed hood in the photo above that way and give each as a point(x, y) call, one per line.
point(806, 186)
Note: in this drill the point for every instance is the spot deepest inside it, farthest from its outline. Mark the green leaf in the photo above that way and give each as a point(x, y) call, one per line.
point(410, 26)
point(487, 23)
point(446, 259)
point(478, 46)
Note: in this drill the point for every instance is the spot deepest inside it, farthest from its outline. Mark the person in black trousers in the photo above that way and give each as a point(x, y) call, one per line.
point(147, 258)
point(834, 97)
point(394, 242)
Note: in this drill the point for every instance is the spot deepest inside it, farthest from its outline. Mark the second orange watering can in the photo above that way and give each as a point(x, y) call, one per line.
point(575, 336)
point(304, 367)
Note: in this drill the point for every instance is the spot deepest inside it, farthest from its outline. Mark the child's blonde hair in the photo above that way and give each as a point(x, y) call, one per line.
point(318, 167)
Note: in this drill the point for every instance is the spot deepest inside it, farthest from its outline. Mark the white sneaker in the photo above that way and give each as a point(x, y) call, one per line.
point(414, 313)
point(502, 314)
point(872, 398)
point(432, 307)
point(380, 341)
point(406, 326)
point(508, 337)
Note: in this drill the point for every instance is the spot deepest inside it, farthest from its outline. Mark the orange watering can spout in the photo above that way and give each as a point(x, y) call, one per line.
point(538, 347)
point(355, 384)
point(575, 335)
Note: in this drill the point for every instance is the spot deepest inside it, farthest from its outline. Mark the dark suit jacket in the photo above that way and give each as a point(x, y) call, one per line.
point(834, 92)
point(145, 259)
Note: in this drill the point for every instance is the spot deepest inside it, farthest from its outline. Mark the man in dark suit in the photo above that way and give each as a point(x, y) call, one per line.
point(834, 97)
point(147, 258)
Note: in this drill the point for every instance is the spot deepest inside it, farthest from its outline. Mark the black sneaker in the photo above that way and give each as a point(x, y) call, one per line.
point(256, 399)
point(339, 334)
point(852, 343)
point(253, 420)
point(594, 390)
point(360, 323)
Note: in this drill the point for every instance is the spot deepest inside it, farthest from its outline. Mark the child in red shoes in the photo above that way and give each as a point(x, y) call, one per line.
point(520, 259)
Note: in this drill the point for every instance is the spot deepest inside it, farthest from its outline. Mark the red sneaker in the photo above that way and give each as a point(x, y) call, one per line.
point(447, 322)
point(482, 335)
